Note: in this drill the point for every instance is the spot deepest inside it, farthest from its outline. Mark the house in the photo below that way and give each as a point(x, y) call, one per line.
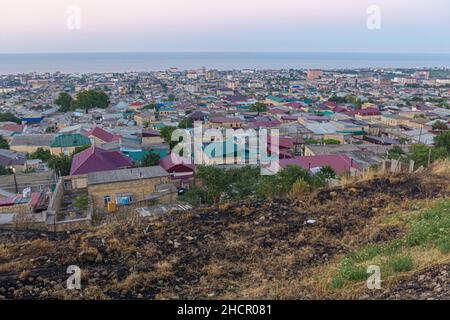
point(381, 140)
point(29, 143)
point(137, 105)
point(224, 122)
point(340, 163)
point(128, 186)
point(99, 136)
point(368, 114)
point(165, 111)
point(13, 128)
point(23, 204)
point(178, 167)
point(11, 158)
point(67, 143)
point(95, 159)
point(198, 115)
point(145, 117)
point(149, 136)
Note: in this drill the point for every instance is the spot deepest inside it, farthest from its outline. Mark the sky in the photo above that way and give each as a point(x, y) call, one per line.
point(416, 26)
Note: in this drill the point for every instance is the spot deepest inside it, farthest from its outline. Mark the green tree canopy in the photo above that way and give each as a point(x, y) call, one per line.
point(90, 99)
point(151, 159)
point(443, 140)
point(41, 154)
point(9, 117)
point(3, 143)
point(65, 102)
point(60, 164)
point(258, 107)
point(331, 141)
point(186, 123)
point(166, 134)
point(440, 125)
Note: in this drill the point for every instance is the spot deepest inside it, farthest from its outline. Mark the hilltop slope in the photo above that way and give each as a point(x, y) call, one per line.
point(254, 249)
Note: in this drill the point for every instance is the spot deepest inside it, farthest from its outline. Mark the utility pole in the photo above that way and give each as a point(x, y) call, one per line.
point(429, 157)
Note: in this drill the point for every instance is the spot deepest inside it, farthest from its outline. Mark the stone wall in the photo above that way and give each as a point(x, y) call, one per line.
point(139, 189)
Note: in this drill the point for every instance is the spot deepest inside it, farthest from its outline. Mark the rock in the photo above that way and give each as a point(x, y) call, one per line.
point(84, 256)
point(98, 258)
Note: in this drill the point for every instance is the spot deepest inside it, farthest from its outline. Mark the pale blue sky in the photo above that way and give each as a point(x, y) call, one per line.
point(225, 25)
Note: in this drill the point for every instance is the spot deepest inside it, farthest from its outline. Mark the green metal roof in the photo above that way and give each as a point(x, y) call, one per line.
point(70, 140)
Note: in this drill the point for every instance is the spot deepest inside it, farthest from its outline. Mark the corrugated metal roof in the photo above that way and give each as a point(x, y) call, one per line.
point(126, 175)
point(70, 140)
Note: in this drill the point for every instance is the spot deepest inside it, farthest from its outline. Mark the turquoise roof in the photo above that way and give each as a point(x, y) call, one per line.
point(70, 140)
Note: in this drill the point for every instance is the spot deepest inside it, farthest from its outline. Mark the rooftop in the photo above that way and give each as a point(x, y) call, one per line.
point(126, 175)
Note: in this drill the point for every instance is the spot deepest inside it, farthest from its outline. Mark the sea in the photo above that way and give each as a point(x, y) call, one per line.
point(159, 61)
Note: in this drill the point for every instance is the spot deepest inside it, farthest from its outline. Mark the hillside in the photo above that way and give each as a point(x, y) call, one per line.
point(254, 249)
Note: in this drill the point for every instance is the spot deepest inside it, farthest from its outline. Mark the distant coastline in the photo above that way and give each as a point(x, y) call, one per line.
point(158, 61)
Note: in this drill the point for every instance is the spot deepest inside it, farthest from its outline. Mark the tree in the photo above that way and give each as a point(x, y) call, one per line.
point(443, 140)
point(327, 172)
point(421, 153)
point(395, 153)
point(3, 143)
point(195, 196)
point(9, 117)
point(150, 106)
point(41, 154)
point(331, 142)
point(50, 129)
point(186, 123)
point(151, 159)
point(4, 171)
point(215, 182)
point(166, 134)
point(440, 125)
point(60, 164)
point(258, 107)
point(89, 99)
point(65, 102)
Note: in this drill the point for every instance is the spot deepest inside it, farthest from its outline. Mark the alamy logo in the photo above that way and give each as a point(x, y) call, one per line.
point(74, 281)
point(374, 19)
point(73, 21)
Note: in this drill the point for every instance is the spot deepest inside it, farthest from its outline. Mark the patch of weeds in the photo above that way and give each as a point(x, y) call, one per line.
point(432, 227)
point(444, 246)
point(365, 253)
point(401, 264)
point(350, 271)
point(337, 282)
point(429, 228)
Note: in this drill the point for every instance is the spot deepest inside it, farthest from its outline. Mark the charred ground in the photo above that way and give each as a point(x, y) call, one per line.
point(253, 249)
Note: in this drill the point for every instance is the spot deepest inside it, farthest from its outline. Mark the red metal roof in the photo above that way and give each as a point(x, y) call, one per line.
point(102, 135)
point(95, 159)
point(340, 163)
point(172, 161)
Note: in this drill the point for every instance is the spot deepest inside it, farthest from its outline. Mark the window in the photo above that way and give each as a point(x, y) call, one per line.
point(123, 200)
point(107, 199)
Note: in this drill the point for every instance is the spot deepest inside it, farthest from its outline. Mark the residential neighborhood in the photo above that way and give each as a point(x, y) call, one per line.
point(58, 147)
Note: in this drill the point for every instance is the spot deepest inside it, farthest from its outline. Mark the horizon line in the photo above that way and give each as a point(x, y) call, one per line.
point(249, 52)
